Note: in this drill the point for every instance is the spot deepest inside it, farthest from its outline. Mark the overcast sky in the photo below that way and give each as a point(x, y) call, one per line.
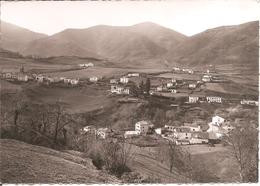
point(185, 16)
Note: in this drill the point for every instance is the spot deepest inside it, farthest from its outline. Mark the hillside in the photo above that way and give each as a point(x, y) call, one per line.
point(24, 163)
point(144, 45)
point(116, 43)
point(236, 45)
point(15, 38)
point(164, 37)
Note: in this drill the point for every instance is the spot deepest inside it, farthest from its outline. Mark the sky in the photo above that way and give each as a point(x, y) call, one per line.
point(188, 17)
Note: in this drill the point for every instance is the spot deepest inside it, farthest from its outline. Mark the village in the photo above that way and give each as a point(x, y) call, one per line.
point(188, 90)
point(188, 134)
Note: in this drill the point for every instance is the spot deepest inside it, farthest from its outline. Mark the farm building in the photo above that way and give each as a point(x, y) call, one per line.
point(158, 131)
point(113, 81)
point(217, 120)
point(104, 133)
point(93, 79)
point(170, 84)
point(169, 127)
point(39, 78)
point(182, 133)
point(249, 102)
point(7, 75)
point(130, 134)
point(124, 80)
point(74, 81)
point(193, 99)
point(214, 99)
point(88, 129)
point(22, 77)
point(192, 127)
point(192, 86)
point(199, 138)
point(206, 78)
point(119, 90)
point(133, 75)
point(143, 127)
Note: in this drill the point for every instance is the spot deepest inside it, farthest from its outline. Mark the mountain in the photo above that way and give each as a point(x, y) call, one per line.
point(236, 45)
point(25, 163)
point(15, 38)
point(160, 35)
point(143, 45)
point(117, 43)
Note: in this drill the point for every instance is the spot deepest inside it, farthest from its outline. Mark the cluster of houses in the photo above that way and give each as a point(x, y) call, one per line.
point(182, 70)
point(189, 133)
point(86, 65)
point(120, 86)
point(203, 99)
point(173, 85)
point(46, 79)
point(15, 76)
point(249, 102)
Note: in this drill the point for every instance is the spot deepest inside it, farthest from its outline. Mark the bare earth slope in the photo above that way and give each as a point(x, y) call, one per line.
point(24, 163)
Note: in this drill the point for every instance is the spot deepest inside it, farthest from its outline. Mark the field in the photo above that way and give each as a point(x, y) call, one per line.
point(217, 160)
point(77, 99)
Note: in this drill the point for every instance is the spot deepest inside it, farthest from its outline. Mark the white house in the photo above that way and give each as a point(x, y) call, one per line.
point(74, 81)
point(130, 134)
point(170, 84)
point(143, 127)
point(182, 133)
point(249, 102)
point(104, 133)
point(192, 86)
point(217, 120)
point(66, 80)
point(119, 90)
point(89, 65)
point(158, 131)
point(22, 77)
point(214, 99)
point(93, 79)
point(199, 138)
point(174, 91)
point(193, 99)
point(176, 69)
point(113, 81)
point(192, 127)
point(133, 75)
point(124, 80)
point(206, 78)
point(88, 129)
point(169, 127)
point(39, 78)
point(159, 88)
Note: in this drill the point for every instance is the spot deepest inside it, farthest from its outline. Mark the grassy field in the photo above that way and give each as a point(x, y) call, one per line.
point(218, 160)
point(24, 163)
point(77, 99)
point(146, 164)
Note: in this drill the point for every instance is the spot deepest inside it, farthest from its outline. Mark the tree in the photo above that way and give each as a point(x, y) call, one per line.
point(147, 85)
point(244, 143)
point(116, 155)
point(141, 87)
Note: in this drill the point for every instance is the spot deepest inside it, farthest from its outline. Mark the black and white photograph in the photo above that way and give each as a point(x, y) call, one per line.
point(129, 92)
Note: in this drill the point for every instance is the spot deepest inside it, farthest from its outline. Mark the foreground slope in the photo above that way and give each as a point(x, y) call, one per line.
point(24, 163)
